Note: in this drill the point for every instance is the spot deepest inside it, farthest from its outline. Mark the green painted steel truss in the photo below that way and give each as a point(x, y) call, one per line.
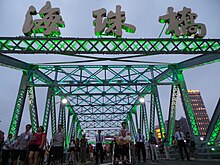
point(102, 96)
point(72, 46)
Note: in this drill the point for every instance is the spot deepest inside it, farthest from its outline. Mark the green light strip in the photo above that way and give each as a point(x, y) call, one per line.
point(215, 131)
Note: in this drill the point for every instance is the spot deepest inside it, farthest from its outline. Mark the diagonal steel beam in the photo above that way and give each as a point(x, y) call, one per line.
point(13, 63)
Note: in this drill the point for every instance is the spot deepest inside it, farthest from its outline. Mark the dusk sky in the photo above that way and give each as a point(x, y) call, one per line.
point(77, 15)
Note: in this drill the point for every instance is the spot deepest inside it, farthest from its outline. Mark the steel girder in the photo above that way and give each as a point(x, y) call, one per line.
point(101, 80)
point(33, 108)
point(159, 110)
point(186, 104)
point(152, 112)
point(13, 63)
point(145, 120)
point(132, 126)
point(92, 110)
point(118, 79)
point(141, 118)
point(72, 130)
point(172, 113)
point(214, 125)
point(101, 124)
point(53, 115)
point(30, 44)
point(106, 132)
point(19, 106)
point(47, 109)
point(72, 46)
point(102, 117)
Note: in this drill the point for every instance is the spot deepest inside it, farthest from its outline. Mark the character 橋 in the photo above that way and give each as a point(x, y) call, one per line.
point(113, 24)
point(48, 24)
point(182, 23)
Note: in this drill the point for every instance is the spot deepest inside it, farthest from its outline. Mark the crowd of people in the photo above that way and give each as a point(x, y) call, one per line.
point(34, 149)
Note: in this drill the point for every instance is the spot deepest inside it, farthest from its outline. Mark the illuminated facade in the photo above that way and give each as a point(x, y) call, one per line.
point(201, 116)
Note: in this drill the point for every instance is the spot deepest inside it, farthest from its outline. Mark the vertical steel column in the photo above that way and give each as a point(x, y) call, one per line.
point(187, 105)
point(19, 106)
point(152, 113)
point(47, 109)
point(68, 129)
point(145, 120)
point(53, 115)
point(214, 125)
point(172, 112)
point(62, 117)
point(72, 131)
point(132, 126)
point(141, 122)
point(33, 108)
point(159, 111)
point(136, 119)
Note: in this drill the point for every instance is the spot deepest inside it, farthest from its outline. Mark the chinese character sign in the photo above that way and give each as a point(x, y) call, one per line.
point(182, 23)
point(112, 24)
point(48, 24)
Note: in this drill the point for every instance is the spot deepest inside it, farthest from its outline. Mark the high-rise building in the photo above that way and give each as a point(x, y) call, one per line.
point(198, 107)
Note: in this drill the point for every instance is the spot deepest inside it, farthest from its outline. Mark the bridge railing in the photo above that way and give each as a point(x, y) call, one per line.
point(208, 150)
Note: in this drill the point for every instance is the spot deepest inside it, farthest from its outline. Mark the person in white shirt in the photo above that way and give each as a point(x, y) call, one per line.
point(153, 149)
point(99, 147)
point(139, 139)
point(123, 142)
point(123, 124)
point(180, 137)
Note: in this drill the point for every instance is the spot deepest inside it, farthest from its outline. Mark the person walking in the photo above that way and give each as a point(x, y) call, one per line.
point(58, 144)
point(83, 144)
point(6, 150)
point(153, 149)
point(99, 147)
point(166, 146)
point(140, 144)
point(180, 137)
point(22, 146)
point(36, 146)
point(72, 151)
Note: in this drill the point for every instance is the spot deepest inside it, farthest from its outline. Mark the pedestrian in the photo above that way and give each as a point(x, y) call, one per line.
point(147, 147)
point(161, 148)
point(124, 145)
point(180, 137)
point(140, 144)
point(77, 150)
point(23, 142)
point(99, 147)
point(91, 151)
point(124, 127)
point(6, 149)
point(188, 142)
point(166, 146)
point(153, 149)
point(83, 144)
point(58, 145)
point(72, 150)
point(2, 138)
point(36, 146)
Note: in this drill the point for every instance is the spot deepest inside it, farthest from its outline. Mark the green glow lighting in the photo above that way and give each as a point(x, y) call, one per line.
point(212, 149)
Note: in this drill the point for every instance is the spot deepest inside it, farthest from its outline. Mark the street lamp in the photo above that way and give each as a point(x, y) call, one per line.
point(141, 100)
point(64, 101)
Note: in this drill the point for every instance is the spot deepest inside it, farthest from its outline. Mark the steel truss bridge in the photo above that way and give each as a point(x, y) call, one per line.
point(102, 96)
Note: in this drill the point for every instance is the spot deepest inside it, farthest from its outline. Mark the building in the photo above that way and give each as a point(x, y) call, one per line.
point(198, 107)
